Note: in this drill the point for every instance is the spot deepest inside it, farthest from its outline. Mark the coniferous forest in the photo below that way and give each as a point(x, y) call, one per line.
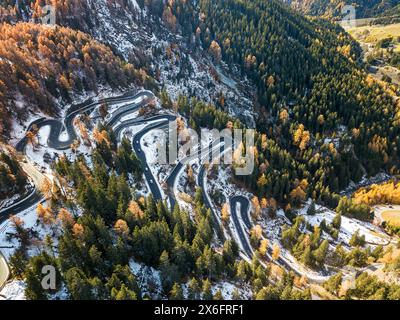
point(113, 225)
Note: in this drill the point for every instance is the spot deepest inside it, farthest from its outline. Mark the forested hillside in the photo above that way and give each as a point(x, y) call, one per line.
point(390, 16)
point(75, 13)
point(322, 118)
point(333, 8)
point(317, 107)
point(40, 64)
point(12, 178)
point(392, 11)
point(322, 126)
point(95, 249)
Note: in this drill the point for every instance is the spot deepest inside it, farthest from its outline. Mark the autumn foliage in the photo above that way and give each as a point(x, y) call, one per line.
point(388, 192)
point(40, 63)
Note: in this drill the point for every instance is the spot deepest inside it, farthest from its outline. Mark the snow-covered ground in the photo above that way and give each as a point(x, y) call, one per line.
point(130, 116)
point(152, 144)
point(372, 233)
point(222, 182)
point(364, 182)
point(30, 221)
point(219, 184)
point(114, 107)
point(180, 70)
point(7, 202)
point(148, 279)
point(19, 127)
point(272, 231)
point(228, 288)
point(149, 282)
point(13, 290)
point(36, 154)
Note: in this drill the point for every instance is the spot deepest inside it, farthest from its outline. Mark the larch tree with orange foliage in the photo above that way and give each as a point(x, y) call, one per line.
point(121, 227)
point(256, 207)
point(135, 209)
point(255, 235)
point(225, 214)
point(263, 249)
point(77, 230)
point(276, 251)
point(65, 217)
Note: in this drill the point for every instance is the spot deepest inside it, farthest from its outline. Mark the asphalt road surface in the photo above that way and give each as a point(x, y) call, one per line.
point(156, 122)
point(57, 127)
point(244, 206)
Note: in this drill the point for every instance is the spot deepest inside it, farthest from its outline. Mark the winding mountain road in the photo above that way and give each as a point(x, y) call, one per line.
point(57, 128)
point(201, 181)
point(238, 204)
point(176, 171)
point(244, 206)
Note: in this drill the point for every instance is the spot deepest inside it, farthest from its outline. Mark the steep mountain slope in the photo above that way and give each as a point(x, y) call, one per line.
point(39, 65)
point(309, 69)
point(220, 51)
point(158, 38)
point(322, 123)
